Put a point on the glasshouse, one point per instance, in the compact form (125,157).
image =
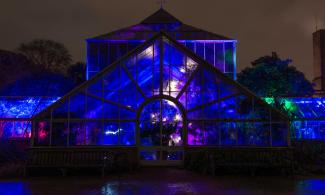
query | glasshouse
(307,116)
(161,98)
(156,90)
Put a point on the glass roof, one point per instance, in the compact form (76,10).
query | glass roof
(160,20)
(24,107)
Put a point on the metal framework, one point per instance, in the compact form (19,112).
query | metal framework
(107,109)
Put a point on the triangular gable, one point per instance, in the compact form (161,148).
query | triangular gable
(125,71)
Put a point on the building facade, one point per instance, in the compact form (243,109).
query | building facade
(160,87)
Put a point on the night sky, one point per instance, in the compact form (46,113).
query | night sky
(260,26)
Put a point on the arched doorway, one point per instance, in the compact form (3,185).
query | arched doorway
(161,135)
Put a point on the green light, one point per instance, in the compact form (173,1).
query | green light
(289,106)
(269,100)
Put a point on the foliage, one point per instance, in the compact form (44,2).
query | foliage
(11,62)
(47,55)
(77,72)
(39,84)
(271,76)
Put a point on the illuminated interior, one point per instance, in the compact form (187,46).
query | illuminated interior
(16,114)
(218,50)
(160,96)
(307,116)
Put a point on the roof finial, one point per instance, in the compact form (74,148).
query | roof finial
(161,2)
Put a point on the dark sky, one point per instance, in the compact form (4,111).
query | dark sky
(260,26)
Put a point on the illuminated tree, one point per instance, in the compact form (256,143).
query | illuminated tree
(271,76)
(46,54)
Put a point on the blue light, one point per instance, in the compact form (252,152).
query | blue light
(308,117)
(16,114)
(8,188)
(23,107)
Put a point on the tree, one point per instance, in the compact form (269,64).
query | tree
(77,72)
(47,55)
(12,67)
(40,83)
(271,76)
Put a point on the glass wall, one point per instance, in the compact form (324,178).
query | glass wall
(16,113)
(160,87)
(220,54)
(307,116)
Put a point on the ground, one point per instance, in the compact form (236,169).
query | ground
(165,181)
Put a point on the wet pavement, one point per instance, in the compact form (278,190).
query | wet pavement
(165,181)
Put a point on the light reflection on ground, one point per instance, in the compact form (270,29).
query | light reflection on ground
(164,181)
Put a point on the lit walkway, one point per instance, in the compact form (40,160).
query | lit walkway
(164,181)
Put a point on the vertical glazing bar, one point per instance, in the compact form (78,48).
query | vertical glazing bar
(119,108)
(153,70)
(270,127)
(234,59)
(219,112)
(32,141)
(169,71)
(161,53)
(108,54)
(98,57)
(288,133)
(204,50)
(68,130)
(103,111)
(224,57)
(214,54)
(161,127)
(238,124)
(87,60)
(185,132)
(137,122)
(85,121)
(50,143)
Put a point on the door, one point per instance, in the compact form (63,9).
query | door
(161,133)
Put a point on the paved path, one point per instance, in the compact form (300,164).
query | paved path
(165,181)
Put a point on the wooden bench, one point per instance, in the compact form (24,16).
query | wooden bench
(104,158)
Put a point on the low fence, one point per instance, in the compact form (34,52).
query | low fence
(112,158)
(209,160)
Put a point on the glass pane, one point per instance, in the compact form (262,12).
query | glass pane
(279,134)
(146,62)
(172,122)
(196,133)
(42,133)
(78,106)
(228,133)
(150,127)
(149,155)
(127,135)
(111,111)
(111,133)
(60,111)
(212,129)
(220,56)
(172,155)
(59,133)
(253,134)
(209,52)
(94,107)
(229,54)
